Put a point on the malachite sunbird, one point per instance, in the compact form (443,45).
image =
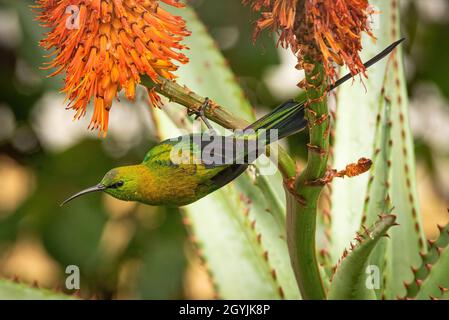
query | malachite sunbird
(159,180)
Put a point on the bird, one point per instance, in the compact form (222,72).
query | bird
(180,171)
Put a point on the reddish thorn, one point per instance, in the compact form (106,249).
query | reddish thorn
(265,255)
(281,293)
(253,224)
(77,293)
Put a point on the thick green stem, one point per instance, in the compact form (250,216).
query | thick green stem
(193,102)
(304,193)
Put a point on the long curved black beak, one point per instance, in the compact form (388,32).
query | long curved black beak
(98,187)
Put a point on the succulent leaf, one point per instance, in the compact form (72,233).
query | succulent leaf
(11,290)
(377,199)
(432,275)
(350,278)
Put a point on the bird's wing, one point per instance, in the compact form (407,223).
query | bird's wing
(209,150)
(182,158)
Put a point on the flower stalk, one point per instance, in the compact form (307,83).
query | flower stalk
(303,193)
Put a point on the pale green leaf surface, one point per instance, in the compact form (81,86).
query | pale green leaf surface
(377,192)
(10,290)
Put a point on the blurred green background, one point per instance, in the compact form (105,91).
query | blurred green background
(132,251)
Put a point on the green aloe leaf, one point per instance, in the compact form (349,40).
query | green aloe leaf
(350,278)
(377,200)
(437,279)
(10,290)
(431,279)
(359,133)
(238,230)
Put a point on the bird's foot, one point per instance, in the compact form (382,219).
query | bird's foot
(201,113)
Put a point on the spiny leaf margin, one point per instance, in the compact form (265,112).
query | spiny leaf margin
(349,280)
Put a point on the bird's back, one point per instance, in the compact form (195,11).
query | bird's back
(179,174)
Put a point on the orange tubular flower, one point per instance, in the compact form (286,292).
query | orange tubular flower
(325,30)
(104,46)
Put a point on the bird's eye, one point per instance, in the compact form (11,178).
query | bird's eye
(116,185)
(119,184)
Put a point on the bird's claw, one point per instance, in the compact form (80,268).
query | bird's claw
(201,113)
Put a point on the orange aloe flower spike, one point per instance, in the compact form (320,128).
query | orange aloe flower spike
(104,46)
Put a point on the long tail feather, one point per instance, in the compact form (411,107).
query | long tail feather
(289,117)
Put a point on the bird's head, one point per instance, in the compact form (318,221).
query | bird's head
(121,183)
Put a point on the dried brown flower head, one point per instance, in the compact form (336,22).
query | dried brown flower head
(324,30)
